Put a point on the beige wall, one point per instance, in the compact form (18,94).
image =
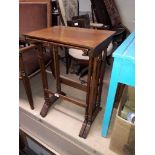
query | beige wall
(85,5)
(127,12)
(126,9)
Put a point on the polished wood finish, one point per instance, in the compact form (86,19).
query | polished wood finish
(32,9)
(101,76)
(43,75)
(85,38)
(88,39)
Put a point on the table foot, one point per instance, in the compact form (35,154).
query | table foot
(46,106)
(85,129)
(87,124)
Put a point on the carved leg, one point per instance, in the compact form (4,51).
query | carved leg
(97,81)
(92,95)
(68,60)
(91,98)
(50,101)
(26,82)
(102,72)
(93,90)
(84,125)
(91,112)
(52,62)
(93,109)
(57,69)
(47,103)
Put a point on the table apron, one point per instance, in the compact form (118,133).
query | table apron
(36,41)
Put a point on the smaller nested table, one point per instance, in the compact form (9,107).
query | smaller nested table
(95,41)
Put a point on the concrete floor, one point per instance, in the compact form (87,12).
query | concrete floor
(67,118)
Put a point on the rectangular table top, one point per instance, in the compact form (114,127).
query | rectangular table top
(79,37)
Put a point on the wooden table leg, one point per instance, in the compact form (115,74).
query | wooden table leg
(52,62)
(68,60)
(57,70)
(102,72)
(47,102)
(99,63)
(91,98)
(84,125)
(53,98)
(93,88)
(97,86)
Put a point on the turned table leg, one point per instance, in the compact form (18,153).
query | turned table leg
(47,102)
(102,73)
(85,123)
(92,88)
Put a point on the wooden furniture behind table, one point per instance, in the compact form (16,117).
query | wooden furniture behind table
(123,72)
(93,40)
(29,67)
(33,15)
(106,12)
